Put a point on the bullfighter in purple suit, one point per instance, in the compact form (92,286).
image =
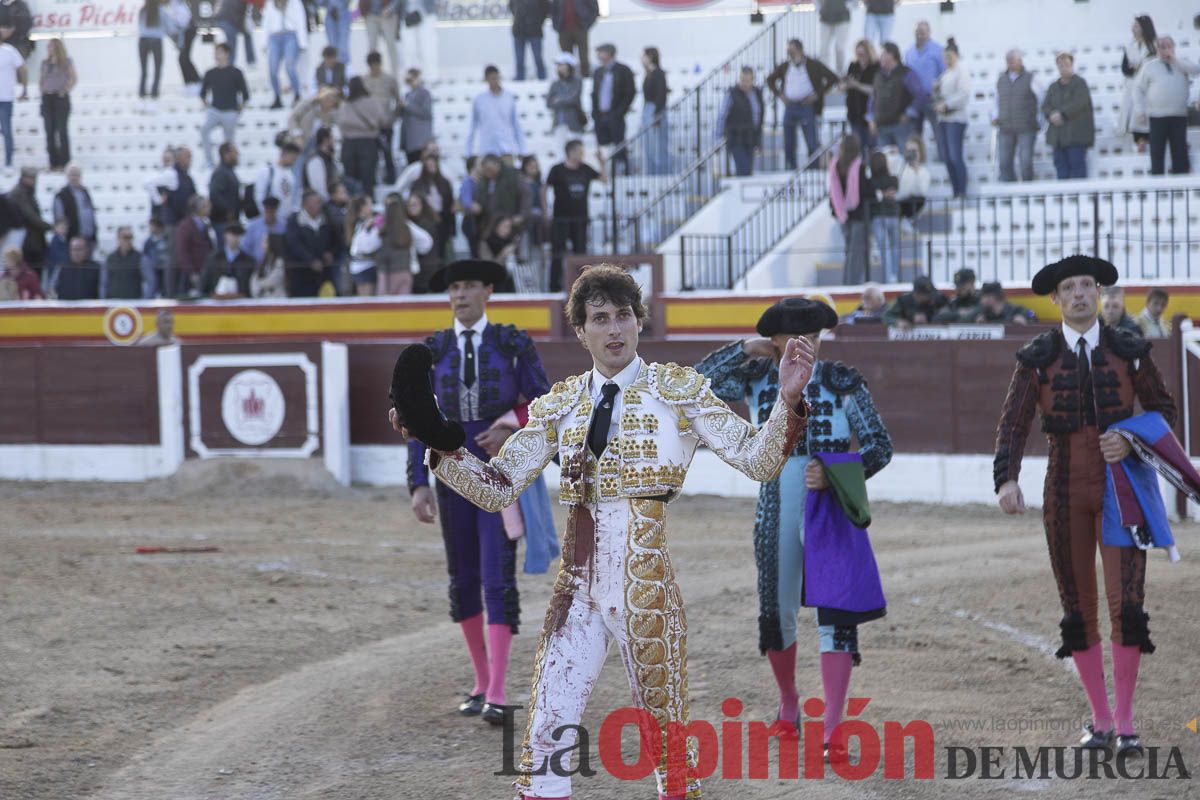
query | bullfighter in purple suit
(481,371)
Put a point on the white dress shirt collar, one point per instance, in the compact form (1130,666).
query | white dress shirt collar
(623,378)
(1091,337)
(478,327)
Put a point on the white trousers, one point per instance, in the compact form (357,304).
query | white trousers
(624,597)
(833,42)
(384,28)
(420,44)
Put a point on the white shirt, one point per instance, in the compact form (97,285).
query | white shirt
(622,379)
(796,83)
(468,399)
(276,181)
(10,62)
(167,179)
(1090,339)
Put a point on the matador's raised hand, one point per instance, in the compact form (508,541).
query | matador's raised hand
(795,368)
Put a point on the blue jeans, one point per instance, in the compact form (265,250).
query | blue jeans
(284,47)
(881,24)
(743,159)
(896,134)
(863,131)
(231,37)
(6,130)
(658,155)
(535,47)
(337,28)
(886,231)
(950,148)
(1070,161)
(806,117)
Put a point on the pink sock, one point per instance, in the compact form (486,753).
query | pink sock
(835,677)
(783,664)
(499,641)
(1090,664)
(472,629)
(1126,660)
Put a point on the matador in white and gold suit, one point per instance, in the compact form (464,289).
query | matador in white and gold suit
(617,584)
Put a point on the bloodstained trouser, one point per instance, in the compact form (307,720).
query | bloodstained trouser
(479,555)
(1072,513)
(622,593)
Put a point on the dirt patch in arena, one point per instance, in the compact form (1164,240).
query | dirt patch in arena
(311,655)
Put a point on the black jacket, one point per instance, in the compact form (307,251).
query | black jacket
(654,89)
(529,17)
(304,245)
(225,194)
(176,207)
(623,91)
(217,265)
(740,127)
(71,210)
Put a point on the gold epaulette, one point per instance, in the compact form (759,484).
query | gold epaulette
(674,384)
(561,398)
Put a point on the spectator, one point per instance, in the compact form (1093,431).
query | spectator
(12,69)
(1143,46)
(363,231)
(565,101)
(495,128)
(19,282)
(79,278)
(416,117)
(573,19)
(926,59)
(331,72)
(260,230)
(74,203)
(964,305)
(531,178)
(428,261)
(386,91)
(501,193)
(1162,90)
(885,216)
(176,209)
(278,180)
(312,114)
(180,24)
(897,97)
(613,92)
(150,44)
(1072,129)
(880,17)
(951,97)
(917,307)
(270,277)
(193,245)
(310,245)
(336,210)
(848,189)
(58,252)
(15,14)
(570,180)
(153,263)
(321,171)
(337,27)
(360,119)
(23,198)
(435,190)
(654,114)
(469,206)
(285,24)
(499,241)
(164,331)
(231,19)
(57,81)
(1112,310)
(383,22)
(227,270)
(1150,320)
(402,241)
(121,273)
(913,177)
(160,185)
(834,16)
(993,307)
(870,308)
(801,83)
(859,84)
(740,122)
(224,190)
(528,20)
(1015,115)
(227,86)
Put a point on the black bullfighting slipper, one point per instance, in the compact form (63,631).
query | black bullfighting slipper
(1096,740)
(412,397)
(1130,744)
(471,706)
(493,713)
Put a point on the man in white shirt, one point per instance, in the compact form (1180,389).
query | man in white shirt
(801,83)
(279,180)
(12,69)
(495,129)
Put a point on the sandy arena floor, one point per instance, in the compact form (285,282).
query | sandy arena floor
(312,656)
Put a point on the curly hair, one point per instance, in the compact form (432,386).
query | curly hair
(600,283)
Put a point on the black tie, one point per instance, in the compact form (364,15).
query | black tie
(1087,393)
(468,360)
(602,419)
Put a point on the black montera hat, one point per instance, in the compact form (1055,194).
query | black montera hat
(488,272)
(796,315)
(1049,276)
